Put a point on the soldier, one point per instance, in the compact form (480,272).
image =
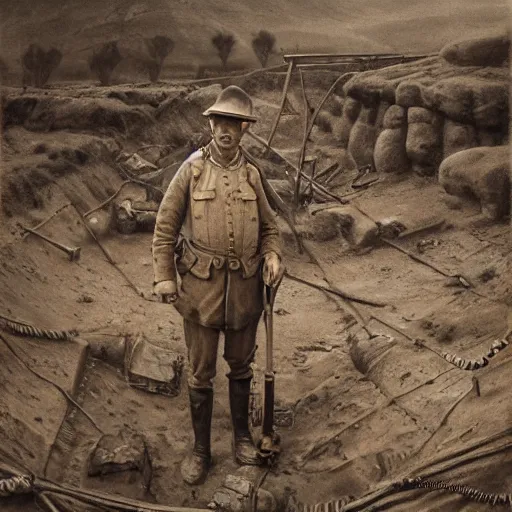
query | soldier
(215,229)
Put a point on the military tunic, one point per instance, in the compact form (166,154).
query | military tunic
(226,227)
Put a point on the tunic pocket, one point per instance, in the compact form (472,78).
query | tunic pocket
(203,195)
(200,204)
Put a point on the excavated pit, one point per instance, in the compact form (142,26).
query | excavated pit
(369,406)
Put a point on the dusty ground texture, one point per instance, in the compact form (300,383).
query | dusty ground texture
(367,409)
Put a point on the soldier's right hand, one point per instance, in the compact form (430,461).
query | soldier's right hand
(167,291)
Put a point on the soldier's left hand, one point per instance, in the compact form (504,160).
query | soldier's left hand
(273,269)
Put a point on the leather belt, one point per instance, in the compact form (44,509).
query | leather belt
(219,257)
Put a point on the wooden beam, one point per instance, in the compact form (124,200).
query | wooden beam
(304,58)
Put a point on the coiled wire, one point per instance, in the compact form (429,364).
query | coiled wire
(464,490)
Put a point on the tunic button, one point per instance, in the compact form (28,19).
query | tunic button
(216,262)
(234,265)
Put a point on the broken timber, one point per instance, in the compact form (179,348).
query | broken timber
(336,291)
(319,188)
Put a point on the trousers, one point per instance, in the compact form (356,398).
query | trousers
(202,347)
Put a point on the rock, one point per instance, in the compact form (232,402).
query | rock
(482,172)
(124,451)
(490,104)
(390,153)
(423,143)
(363,136)
(388,93)
(343,127)
(489,137)
(409,93)
(489,51)
(452,97)
(457,137)
(470,100)
(395,117)
(236,493)
(347,221)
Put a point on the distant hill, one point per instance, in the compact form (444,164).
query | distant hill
(75,26)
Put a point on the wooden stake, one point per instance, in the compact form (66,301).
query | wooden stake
(283,100)
(296,193)
(314,116)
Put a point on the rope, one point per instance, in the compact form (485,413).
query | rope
(23,329)
(16,485)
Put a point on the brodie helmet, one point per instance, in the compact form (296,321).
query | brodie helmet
(232,102)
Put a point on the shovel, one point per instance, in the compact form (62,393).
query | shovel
(270,440)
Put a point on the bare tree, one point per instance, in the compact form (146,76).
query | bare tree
(223,42)
(51,63)
(159,47)
(38,65)
(104,61)
(263,45)
(3,69)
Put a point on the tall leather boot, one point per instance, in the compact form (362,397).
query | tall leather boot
(194,468)
(245,452)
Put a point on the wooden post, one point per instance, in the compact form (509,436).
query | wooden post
(314,116)
(283,100)
(300,165)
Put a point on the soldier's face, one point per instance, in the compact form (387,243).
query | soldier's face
(227,131)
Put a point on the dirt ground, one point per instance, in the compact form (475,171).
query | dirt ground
(368,410)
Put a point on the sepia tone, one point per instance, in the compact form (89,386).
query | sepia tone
(255,256)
